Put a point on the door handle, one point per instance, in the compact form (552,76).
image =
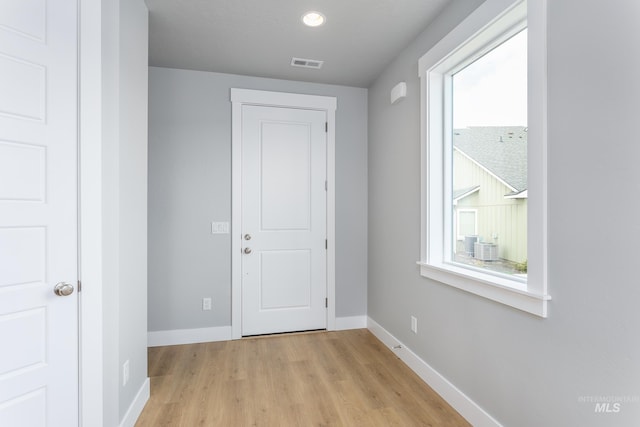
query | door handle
(63,289)
(247,250)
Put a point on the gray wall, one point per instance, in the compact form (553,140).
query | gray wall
(124,189)
(524,370)
(190,186)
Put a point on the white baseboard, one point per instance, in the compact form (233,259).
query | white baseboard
(466,407)
(352,322)
(188,336)
(137,405)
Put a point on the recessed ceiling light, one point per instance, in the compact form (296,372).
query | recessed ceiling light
(313,19)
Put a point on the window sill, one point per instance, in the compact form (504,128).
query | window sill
(504,291)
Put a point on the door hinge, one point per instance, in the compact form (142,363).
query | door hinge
(326,126)
(326,243)
(326,186)
(326,303)
(79,286)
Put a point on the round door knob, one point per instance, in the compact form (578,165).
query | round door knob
(247,250)
(247,237)
(63,289)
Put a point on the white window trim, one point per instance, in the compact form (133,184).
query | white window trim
(469,35)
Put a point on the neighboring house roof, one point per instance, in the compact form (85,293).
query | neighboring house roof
(461,194)
(501,150)
(524,194)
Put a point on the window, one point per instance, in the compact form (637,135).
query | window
(488,153)
(484,148)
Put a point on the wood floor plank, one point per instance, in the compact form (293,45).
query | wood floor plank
(345,378)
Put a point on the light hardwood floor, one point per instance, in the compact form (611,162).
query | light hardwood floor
(345,378)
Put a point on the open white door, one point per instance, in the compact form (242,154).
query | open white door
(38,213)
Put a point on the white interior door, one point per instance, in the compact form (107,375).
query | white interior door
(38,219)
(284,220)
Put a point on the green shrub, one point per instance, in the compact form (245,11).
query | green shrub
(522,266)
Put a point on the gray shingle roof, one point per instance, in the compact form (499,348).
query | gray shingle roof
(502,150)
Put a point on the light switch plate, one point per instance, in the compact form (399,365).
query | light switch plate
(219,228)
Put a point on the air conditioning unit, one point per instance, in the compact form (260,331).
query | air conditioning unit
(469,241)
(485,251)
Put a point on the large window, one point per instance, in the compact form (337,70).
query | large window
(484,147)
(488,153)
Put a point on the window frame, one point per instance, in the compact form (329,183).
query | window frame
(480,32)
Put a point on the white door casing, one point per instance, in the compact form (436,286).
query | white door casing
(242,98)
(283,220)
(38,213)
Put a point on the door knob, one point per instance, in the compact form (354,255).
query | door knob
(247,250)
(63,289)
(247,237)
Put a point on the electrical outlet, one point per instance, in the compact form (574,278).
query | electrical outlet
(414,324)
(125,373)
(206,303)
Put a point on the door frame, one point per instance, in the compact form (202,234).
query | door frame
(91,59)
(239,98)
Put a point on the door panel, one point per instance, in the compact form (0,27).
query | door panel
(285,176)
(23,84)
(284,280)
(25,17)
(38,213)
(24,164)
(284,213)
(30,351)
(24,248)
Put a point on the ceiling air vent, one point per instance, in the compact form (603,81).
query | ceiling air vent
(306,63)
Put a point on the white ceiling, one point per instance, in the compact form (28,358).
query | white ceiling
(259,37)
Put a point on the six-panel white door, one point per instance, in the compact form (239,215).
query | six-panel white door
(38,213)
(284,279)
